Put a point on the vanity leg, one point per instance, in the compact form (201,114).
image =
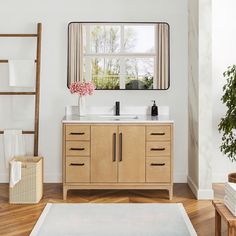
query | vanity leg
(64,193)
(171,193)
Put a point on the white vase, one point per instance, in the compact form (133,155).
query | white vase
(82,106)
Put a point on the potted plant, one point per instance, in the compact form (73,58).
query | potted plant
(227,124)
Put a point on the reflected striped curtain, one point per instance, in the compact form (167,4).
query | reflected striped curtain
(163,56)
(75,53)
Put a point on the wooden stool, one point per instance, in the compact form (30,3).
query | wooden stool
(221,211)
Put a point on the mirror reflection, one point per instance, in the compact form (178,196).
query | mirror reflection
(119,55)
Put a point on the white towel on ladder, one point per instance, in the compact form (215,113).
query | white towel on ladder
(15,172)
(14,145)
(22,73)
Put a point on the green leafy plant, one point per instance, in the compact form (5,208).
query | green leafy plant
(227,124)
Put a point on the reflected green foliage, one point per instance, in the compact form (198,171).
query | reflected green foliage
(106,82)
(228,123)
(148,81)
(106,70)
(145,82)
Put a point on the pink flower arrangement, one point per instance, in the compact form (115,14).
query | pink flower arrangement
(82,88)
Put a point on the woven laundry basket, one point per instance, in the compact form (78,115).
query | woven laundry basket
(30,188)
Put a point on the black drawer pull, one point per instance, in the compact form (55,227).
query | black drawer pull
(157,164)
(114,147)
(76,164)
(158,149)
(75,133)
(77,149)
(158,133)
(120,146)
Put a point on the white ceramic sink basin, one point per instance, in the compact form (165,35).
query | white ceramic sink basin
(121,117)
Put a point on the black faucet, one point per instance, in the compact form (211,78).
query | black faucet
(117,108)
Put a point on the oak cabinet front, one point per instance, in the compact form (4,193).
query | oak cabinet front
(103,154)
(131,163)
(117,156)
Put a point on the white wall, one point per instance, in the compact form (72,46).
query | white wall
(200,100)
(21,16)
(193,90)
(224,54)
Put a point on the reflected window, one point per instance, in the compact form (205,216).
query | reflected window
(120,55)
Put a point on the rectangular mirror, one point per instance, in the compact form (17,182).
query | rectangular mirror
(119,55)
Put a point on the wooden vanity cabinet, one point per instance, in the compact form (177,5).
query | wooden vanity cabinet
(117,156)
(103,154)
(131,155)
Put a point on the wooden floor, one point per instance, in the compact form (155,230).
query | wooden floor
(20,219)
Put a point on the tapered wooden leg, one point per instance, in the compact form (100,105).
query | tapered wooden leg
(231,231)
(217,224)
(171,193)
(64,193)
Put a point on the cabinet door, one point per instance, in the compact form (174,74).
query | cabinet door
(131,167)
(103,153)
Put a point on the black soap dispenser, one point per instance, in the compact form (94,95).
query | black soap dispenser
(154,109)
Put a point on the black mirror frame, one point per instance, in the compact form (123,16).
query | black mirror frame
(122,22)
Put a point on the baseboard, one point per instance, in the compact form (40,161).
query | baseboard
(200,194)
(192,186)
(4,178)
(52,178)
(219,177)
(205,194)
(180,178)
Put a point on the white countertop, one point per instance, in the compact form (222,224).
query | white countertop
(111,119)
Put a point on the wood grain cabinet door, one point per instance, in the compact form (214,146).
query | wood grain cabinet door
(104,154)
(131,154)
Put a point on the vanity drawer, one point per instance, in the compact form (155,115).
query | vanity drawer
(77,169)
(158,169)
(154,149)
(158,133)
(77,148)
(77,132)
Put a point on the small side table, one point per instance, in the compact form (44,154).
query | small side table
(221,211)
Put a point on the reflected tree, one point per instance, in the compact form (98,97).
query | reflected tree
(106,70)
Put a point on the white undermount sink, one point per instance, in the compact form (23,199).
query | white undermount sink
(121,117)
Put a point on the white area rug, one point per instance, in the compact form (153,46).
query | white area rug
(157,219)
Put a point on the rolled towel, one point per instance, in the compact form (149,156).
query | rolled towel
(15,172)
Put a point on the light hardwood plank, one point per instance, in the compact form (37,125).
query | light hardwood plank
(20,219)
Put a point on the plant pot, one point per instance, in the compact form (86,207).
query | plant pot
(232,177)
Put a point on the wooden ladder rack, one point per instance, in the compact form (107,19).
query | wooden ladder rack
(37,84)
